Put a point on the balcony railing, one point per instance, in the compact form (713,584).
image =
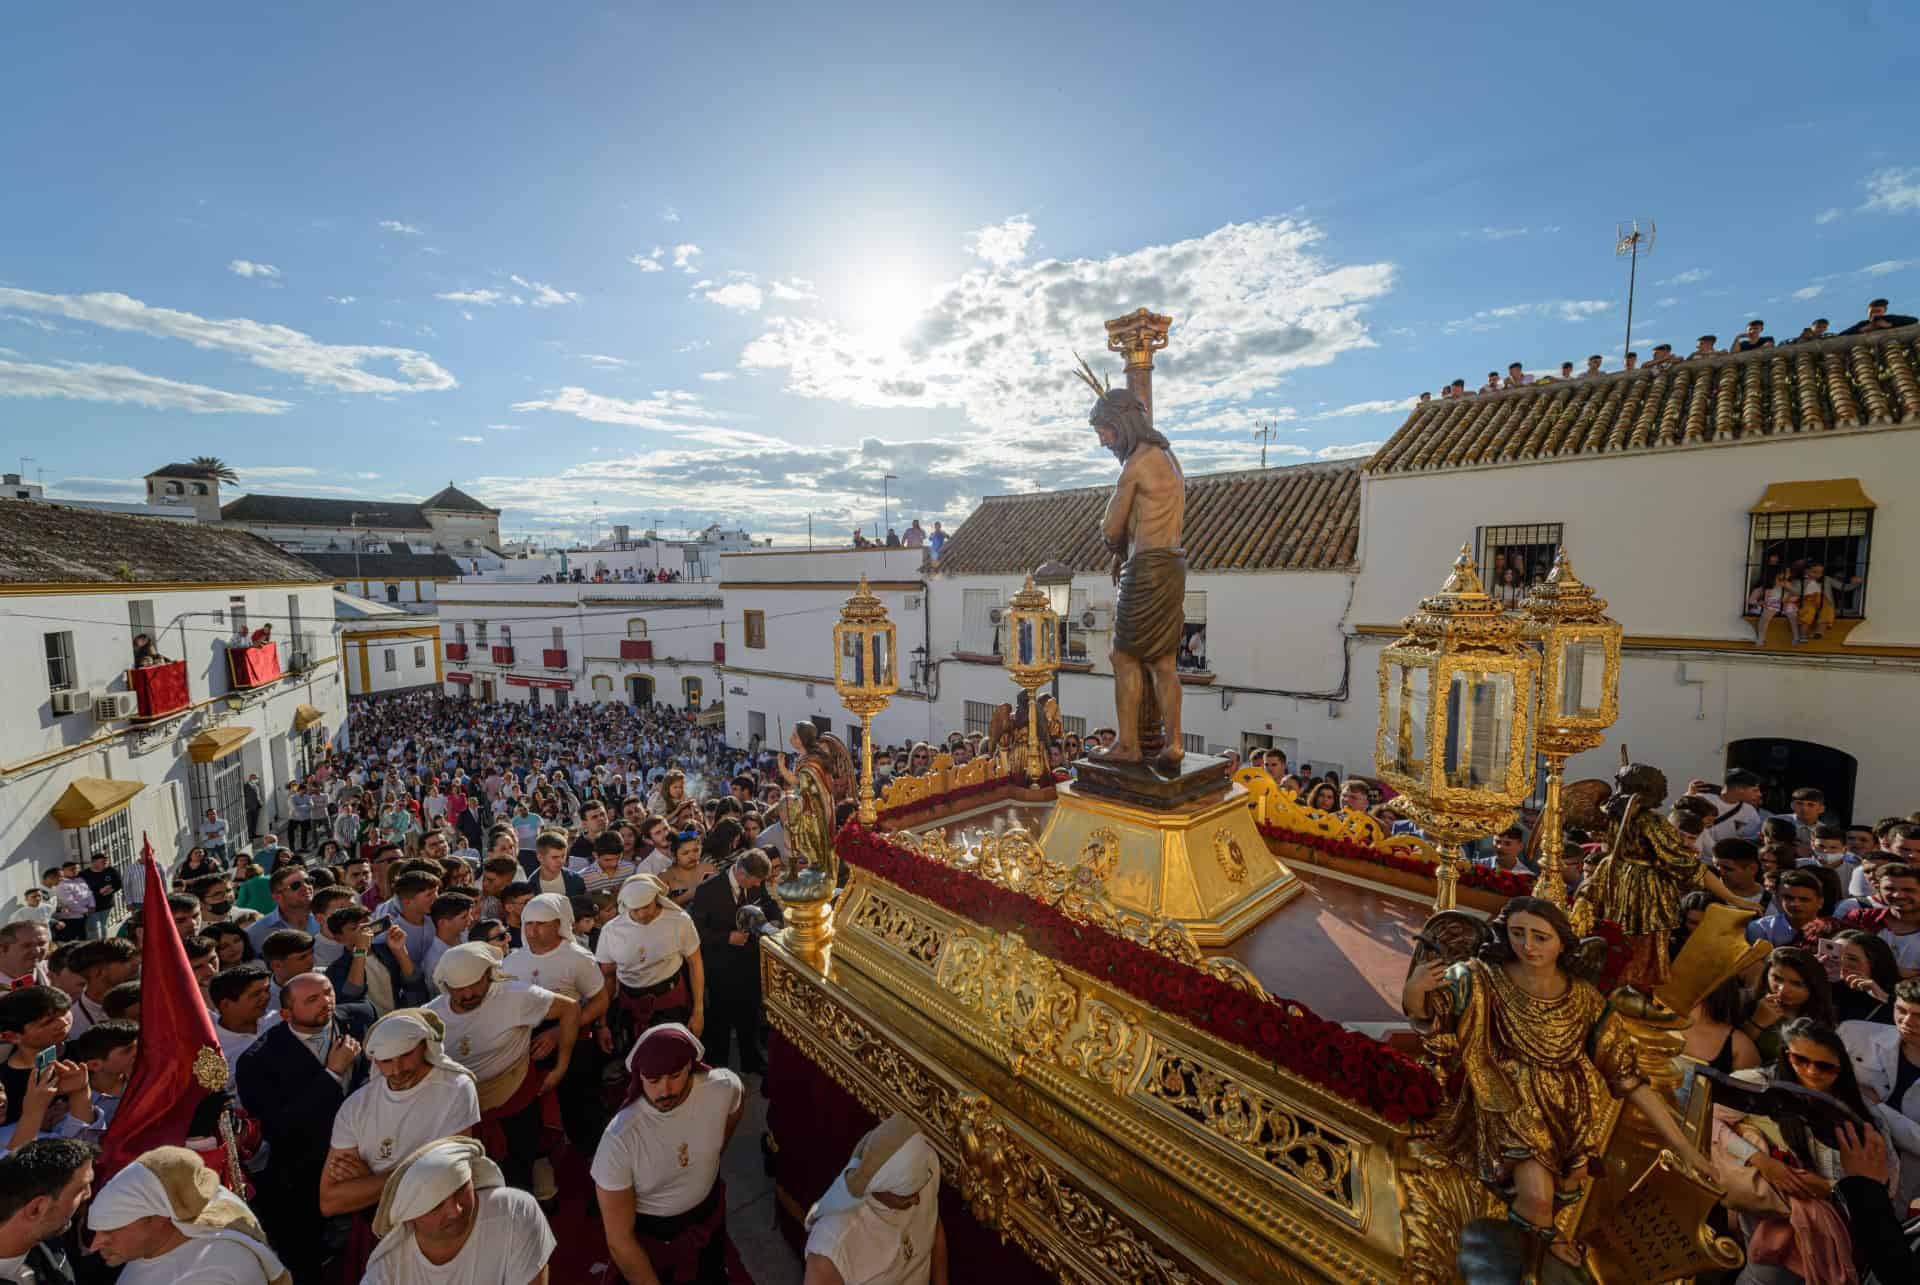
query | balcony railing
(636,649)
(250,667)
(456,651)
(554,657)
(503,655)
(719,653)
(162,689)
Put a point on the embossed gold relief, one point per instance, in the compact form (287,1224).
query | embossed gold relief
(1104,1050)
(905,792)
(1438,1199)
(1233,861)
(1298,1148)
(1025,998)
(1098,856)
(918,938)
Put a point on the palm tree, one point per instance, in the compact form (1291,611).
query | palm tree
(218,469)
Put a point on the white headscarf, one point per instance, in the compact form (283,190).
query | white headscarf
(422,1181)
(550,906)
(868,1242)
(641,891)
(466,964)
(172,1183)
(408,1028)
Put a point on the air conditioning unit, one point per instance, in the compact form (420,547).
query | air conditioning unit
(116,705)
(1096,618)
(73,700)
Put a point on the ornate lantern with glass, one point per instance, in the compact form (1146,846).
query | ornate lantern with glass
(1032,658)
(1579,692)
(1456,715)
(865,673)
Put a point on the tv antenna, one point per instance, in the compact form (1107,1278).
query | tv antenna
(1632,239)
(1263,432)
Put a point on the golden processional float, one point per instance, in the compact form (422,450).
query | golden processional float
(1151,1016)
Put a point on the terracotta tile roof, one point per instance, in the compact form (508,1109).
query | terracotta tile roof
(1306,517)
(1852,382)
(305,510)
(53,544)
(386,566)
(453,499)
(184,470)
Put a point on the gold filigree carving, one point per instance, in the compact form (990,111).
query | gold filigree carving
(1100,854)
(1026,1000)
(1104,1050)
(918,938)
(1437,1200)
(1226,850)
(1298,1149)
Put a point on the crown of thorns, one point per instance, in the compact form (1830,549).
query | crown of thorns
(1086,376)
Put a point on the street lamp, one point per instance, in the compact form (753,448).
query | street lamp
(1055,579)
(1579,692)
(886,503)
(1456,719)
(1032,658)
(865,665)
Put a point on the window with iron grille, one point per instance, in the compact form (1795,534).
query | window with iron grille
(1193,742)
(756,627)
(114,836)
(1833,540)
(1074,725)
(1076,652)
(979,632)
(391,662)
(1515,558)
(419,657)
(979,716)
(480,633)
(61,673)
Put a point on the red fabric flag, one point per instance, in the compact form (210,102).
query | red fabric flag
(179,1061)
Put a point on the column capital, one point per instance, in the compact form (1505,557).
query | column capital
(1137,336)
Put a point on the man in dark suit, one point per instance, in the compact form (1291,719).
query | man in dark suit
(42,1184)
(255,802)
(732,957)
(293,1080)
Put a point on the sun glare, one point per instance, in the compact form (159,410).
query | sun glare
(885,306)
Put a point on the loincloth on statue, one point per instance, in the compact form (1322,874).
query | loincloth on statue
(1150,605)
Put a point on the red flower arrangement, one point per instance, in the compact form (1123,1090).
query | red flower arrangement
(1504,883)
(1288,1034)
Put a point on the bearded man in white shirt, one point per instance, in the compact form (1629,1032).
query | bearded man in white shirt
(879,1224)
(168,1219)
(656,1173)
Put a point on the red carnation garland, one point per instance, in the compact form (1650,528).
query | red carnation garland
(1288,1034)
(1504,883)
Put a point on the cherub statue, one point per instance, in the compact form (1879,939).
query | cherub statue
(820,779)
(1648,868)
(1529,1038)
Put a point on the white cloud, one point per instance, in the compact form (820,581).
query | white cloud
(1554,310)
(544,295)
(1666,301)
(601,360)
(482,298)
(1501,234)
(338,366)
(1387,406)
(741,296)
(793,289)
(504,428)
(1893,191)
(471,441)
(716,376)
(1692,276)
(648,262)
(246,268)
(1809,292)
(670,215)
(342,298)
(1003,244)
(93,382)
(1827,216)
(684,258)
(1887,267)
(672,411)
(404,229)
(1348,451)
(1251,302)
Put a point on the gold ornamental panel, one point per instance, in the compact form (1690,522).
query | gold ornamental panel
(915,936)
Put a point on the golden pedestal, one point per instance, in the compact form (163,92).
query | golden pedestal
(1206,866)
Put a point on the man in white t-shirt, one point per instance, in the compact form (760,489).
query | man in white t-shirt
(490,1021)
(553,960)
(656,1173)
(415,1096)
(168,1219)
(879,1224)
(447,1217)
(651,950)
(241,995)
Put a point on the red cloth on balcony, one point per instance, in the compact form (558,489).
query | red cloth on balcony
(161,688)
(254,666)
(636,649)
(456,651)
(554,658)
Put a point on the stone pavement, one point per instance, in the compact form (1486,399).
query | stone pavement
(750,1200)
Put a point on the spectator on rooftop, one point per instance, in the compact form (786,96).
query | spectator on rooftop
(1662,356)
(1878,318)
(915,536)
(1752,338)
(1818,330)
(1426,397)
(1566,370)
(1633,360)
(1493,384)
(1704,347)
(1459,387)
(1593,367)
(1517,376)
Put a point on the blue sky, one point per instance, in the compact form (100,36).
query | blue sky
(634,262)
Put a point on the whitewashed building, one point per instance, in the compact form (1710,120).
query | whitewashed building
(95,753)
(384,648)
(558,643)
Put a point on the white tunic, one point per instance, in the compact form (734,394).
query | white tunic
(509,1245)
(568,969)
(647,954)
(867,1249)
(202,1261)
(386,1127)
(669,1159)
(493,1039)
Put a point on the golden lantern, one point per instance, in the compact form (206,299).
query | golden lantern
(865,673)
(1456,719)
(1032,657)
(1579,692)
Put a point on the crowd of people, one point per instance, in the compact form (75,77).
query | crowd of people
(491,1013)
(1753,336)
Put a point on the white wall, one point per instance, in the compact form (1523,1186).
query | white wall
(41,753)
(414,656)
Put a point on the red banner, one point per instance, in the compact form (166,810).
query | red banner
(459,678)
(557,684)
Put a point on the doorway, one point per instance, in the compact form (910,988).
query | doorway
(486,689)
(1785,765)
(690,691)
(756,728)
(640,689)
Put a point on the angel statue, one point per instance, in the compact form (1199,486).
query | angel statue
(1509,1011)
(1648,868)
(819,780)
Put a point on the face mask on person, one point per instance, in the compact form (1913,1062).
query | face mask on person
(218,908)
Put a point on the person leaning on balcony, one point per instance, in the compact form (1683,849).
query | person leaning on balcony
(262,636)
(145,653)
